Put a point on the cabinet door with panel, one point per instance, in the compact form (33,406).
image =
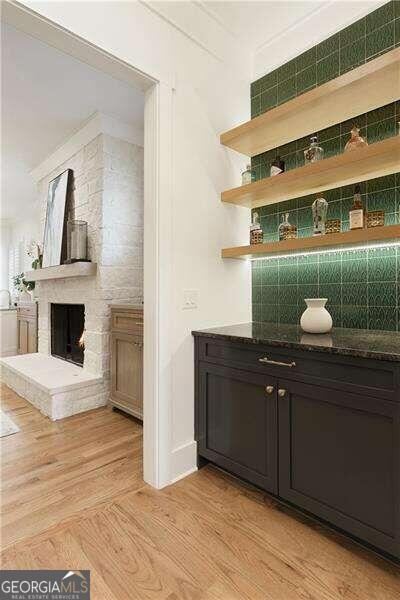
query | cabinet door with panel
(237,423)
(23,326)
(126,372)
(339,459)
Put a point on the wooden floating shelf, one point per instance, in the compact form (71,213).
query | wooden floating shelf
(347,238)
(382,158)
(365,88)
(78,269)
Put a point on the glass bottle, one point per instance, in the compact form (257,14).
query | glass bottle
(319,211)
(76,241)
(314,152)
(355,141)
(247,175)
(356,214)
(256,233)
(277,166)
(287,231)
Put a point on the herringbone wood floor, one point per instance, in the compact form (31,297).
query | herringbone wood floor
(73,498)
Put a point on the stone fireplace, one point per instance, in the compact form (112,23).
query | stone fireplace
(107,192)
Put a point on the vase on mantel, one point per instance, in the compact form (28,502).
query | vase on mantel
(316,319)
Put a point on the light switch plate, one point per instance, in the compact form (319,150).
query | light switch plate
(190,299)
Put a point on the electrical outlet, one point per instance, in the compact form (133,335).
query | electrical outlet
(190,299)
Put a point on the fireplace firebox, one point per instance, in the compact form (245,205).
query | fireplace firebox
(67,332)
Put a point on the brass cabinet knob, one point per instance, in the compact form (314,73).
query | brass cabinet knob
(269,389)
(281,393)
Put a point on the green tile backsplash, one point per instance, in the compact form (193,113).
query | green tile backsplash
(362,286)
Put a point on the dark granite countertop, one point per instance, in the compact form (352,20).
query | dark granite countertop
(381,345)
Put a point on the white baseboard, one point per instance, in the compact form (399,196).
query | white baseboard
(183,461)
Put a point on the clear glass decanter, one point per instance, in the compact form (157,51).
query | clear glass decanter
(314,152)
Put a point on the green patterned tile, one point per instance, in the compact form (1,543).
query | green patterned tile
(382,113)
(257,312)
(288,295)
(289,314)
(255,106)
(382,15)
(269,313)
(352,33)
(328,68)
(256,294)
(382,318)
(268,81)
(332,291)
(306,59)
(255,88)
(286,90)
(286,71)
(352,56)
(330,272)
(380,40)
(383,200)
(382,269)
(355,317)
(381,183)
(381,130)
(308,273)
(329,133)
(382,295)
(306,79)
(355,294)
(354,271)
(328,46)
(304,218)
(307,291)
(397,32)
(335,311)
(396,8)
(269,99)
(270,294)
(287,275)
(270,275)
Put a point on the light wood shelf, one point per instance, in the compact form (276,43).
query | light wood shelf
(78,269)
(382,158)
(348,238)
(365,88)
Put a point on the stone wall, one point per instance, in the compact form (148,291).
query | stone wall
(108,194)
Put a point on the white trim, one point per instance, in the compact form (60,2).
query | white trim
(183,459)
(157,231)
(96,124)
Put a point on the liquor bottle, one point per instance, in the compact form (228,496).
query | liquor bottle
(277,166)
(247,175)
(319,211)
(356,214)
(287,231)
(356,140)
(256,233)
(314,152)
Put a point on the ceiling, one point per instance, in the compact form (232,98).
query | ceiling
(47,96)
(257,23)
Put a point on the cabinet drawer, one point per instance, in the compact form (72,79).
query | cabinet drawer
(30,310)
(127,321)
(356,374)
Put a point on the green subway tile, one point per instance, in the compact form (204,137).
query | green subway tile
(286,90)
(380,40)
(306,79)
(352,33)
(379,17)
(352,56)
(328,46)
(328,68)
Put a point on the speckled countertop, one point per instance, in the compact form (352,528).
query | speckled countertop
(381,345)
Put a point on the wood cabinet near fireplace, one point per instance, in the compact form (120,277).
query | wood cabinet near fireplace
(127,359)
(27,329)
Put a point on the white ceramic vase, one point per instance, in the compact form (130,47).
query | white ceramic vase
(316,319)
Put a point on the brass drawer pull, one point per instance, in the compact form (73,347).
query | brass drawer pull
(281,393)
(269,389)
(269,361)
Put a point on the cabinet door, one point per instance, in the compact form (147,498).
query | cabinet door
(22,336)
(126,372)
(237,423)
(339,459)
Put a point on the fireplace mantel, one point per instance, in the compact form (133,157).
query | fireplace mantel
(78,269)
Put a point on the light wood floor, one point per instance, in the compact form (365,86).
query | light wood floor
(73,498)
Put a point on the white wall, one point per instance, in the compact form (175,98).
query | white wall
(5,236)
(211,94)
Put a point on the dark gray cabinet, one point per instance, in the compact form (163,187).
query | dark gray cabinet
(319,437)
(238,423)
